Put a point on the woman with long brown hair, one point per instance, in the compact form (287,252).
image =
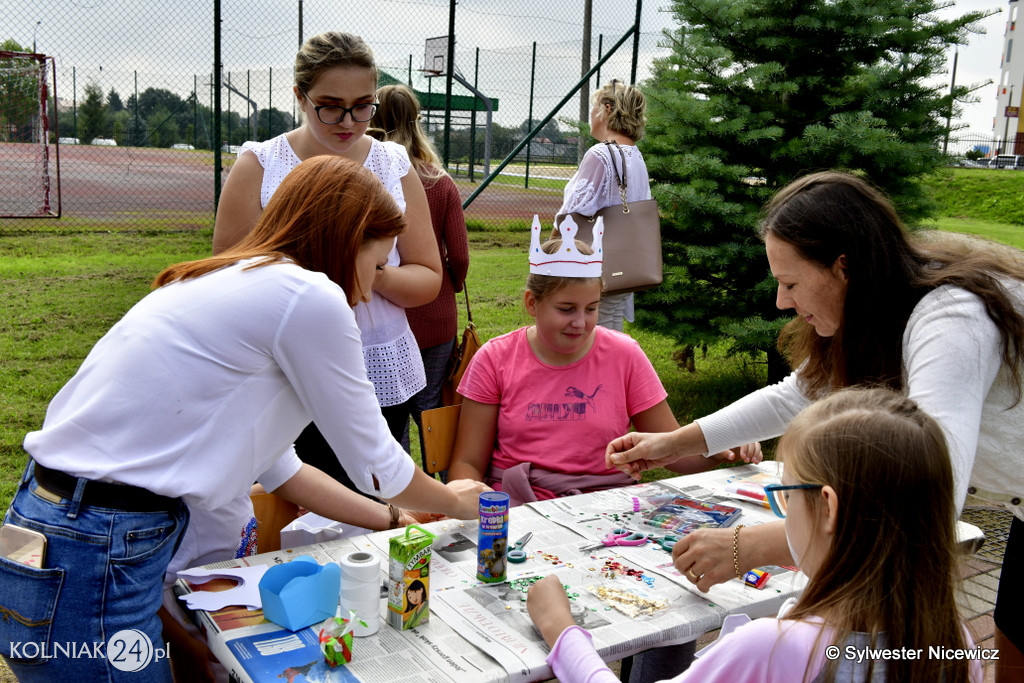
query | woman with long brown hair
(434,324)
(874,304)
(201,387)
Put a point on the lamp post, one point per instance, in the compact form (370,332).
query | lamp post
(34,29)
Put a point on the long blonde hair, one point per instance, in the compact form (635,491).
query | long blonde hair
(891,568)
(398,120)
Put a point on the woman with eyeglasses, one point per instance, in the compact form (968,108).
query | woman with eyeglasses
(938,318)
(870,518)
(335,88)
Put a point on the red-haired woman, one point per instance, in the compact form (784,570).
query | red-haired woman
(201,387)
(335,91)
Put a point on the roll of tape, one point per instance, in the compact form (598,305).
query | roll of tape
(360,590)
(361,566)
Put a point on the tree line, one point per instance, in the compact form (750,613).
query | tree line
(161,118)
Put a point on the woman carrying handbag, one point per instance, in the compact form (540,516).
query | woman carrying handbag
(617,117)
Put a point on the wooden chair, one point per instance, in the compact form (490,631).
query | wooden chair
(273,513)
(437,437)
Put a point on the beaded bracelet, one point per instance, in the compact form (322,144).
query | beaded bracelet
(736,551)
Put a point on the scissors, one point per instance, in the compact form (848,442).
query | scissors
(666,543)
(518,555)
(619,537)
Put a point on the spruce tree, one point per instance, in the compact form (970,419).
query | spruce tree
(759,92)
(92,114)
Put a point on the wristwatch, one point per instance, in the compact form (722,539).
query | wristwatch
(395,512)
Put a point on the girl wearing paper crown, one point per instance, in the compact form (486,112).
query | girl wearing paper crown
(542,402)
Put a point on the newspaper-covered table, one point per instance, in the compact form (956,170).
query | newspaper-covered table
(595,514)
(629,598)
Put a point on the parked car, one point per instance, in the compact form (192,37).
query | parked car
(231,149)
(104,142)
(970,163)
(1011,161)
(67,141)
(181,145)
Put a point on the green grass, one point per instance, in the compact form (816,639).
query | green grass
(62,293)
(977,194)
(64,283)
(1004,233)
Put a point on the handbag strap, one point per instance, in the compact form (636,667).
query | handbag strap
(620,178)
(469,311)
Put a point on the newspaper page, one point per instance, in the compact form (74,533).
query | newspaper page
(625,610)
(593,516)
(257,651)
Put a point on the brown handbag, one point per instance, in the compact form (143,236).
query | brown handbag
(632,238)
(459,361)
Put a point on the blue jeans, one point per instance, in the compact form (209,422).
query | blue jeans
(103,573)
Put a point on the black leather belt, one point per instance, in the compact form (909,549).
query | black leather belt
(104,494)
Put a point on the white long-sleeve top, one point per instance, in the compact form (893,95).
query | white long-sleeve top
(205,383)
(953,369)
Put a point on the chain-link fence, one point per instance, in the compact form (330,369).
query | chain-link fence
(133,99)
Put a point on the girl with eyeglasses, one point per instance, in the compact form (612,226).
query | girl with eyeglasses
(335,88)
(867,495)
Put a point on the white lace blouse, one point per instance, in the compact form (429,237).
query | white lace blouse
(595,185)
(392,357)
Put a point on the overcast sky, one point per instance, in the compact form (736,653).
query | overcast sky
(169,44)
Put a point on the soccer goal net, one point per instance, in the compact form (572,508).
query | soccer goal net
(31,186)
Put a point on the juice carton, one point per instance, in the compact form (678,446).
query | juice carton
(409,578)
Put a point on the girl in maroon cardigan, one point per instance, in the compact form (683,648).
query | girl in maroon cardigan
(435,324)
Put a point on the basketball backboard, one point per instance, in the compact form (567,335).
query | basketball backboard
(435,56)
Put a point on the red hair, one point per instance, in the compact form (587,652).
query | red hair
(321,215)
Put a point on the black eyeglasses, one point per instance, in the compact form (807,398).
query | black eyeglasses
(779,499)
(330,114)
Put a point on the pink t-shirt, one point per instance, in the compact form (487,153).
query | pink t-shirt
(561,418)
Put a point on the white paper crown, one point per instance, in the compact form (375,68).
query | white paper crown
(567,261)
